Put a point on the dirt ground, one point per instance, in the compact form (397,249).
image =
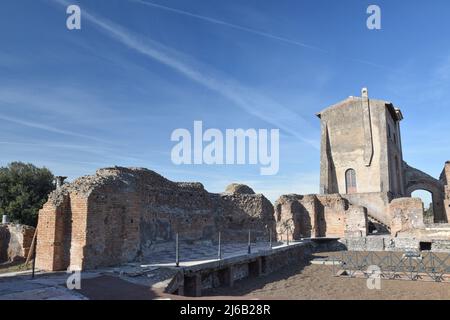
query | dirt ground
(317,282)
(296,282)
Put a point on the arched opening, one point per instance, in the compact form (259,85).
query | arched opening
(436,199)
(427,199)
(350,181)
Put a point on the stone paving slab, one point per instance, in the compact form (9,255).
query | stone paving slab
(203,253)
(43,287)
(44,293)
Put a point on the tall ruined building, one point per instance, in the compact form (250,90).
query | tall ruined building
(361,147)
(361,157)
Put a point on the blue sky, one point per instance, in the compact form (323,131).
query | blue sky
(113,92)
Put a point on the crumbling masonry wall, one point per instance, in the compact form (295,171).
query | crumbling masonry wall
(407,215)
(320,216)
(124,214)
(418,180)
(445,179)
(15,241)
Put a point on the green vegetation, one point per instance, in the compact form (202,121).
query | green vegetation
(23,190)
(428,215)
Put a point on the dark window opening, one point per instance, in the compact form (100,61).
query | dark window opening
(425,246)
(350,181)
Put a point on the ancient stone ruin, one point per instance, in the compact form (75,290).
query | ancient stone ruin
(15,241)
(365,184)
(120,215)
(321,216)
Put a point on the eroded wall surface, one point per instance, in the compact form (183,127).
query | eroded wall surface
(362,135)
(123,214)
(445,179)
(376,203)
(15,241)
(320,216)
(418,180)
(407,215)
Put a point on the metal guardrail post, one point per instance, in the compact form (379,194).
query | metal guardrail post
(249,242)
(177,251)
(34,260)
(270,238)
(219,254)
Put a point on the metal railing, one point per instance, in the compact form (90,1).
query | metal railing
(220,243)
(414,266)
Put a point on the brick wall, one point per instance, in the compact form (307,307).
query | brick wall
(301,212)
(320,216)
(445,178)
(407,215)
(332,212)
(356,223)
(120,215)
(53,225)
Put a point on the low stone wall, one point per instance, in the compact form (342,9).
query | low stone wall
(376,204)
(193,280)
(387,243)
(320,216)
(406,215)
(298,211)
(356,222)
(331,215)
(447,202)
(120,215)
(15,241)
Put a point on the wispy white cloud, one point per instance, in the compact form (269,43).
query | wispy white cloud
(109,155)
(45,127)
(63,101)
(230,25)
(262,34)
(248,100)
(431,86)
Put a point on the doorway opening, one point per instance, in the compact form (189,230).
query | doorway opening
(427,199)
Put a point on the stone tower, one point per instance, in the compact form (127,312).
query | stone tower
(361,150)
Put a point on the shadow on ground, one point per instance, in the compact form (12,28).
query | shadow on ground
(244,287)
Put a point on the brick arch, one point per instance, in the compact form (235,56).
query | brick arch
(419,180)
(437,192)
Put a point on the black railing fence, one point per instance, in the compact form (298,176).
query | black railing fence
(271,238)
(411,265)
